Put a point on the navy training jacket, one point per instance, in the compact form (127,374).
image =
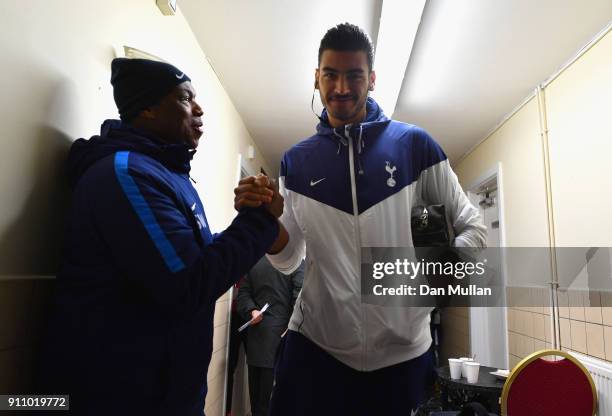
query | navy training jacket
(132,327)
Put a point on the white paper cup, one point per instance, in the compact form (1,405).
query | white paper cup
(463,360)
(471,369)
(455,368)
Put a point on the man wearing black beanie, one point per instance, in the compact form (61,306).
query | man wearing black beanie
(132,328)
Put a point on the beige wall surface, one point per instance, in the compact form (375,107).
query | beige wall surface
(518,147)
(579,106)
(580,137)
(55,88)
(580,142)
(455,337)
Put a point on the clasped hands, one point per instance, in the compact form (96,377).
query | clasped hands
(255,191)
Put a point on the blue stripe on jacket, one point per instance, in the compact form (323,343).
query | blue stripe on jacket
(145,214)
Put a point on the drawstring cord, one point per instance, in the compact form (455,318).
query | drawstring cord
(360,145)
(342,140)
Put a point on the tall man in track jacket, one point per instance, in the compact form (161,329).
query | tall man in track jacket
(353,185)
(133,323)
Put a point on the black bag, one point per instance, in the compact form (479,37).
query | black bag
(430,226)
(432,235)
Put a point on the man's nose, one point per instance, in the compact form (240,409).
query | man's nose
(197,110)
(342,85)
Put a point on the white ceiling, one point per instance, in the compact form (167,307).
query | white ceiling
(473,61)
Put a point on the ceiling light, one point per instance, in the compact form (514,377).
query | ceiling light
(399,22)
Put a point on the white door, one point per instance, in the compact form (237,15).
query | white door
(491,349)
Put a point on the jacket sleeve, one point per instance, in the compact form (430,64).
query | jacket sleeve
(438,184)
(297,280)
(244,301)
(153,244)
(289,259)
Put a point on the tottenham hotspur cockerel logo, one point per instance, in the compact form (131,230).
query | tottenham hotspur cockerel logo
(391,181)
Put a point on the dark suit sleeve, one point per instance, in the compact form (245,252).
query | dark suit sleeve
(244,301)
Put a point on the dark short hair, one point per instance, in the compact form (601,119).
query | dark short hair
(347,37)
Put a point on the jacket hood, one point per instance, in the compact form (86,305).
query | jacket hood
(374,117)
(116,136)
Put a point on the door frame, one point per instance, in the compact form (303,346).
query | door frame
(478,316)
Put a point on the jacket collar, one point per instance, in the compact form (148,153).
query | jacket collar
(116,136)
(375,117)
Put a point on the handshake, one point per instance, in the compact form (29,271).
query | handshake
(254,191)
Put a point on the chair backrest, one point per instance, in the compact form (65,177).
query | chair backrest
(540,387)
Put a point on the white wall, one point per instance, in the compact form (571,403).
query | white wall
(55,87)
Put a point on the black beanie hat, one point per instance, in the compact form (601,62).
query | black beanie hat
(141,83)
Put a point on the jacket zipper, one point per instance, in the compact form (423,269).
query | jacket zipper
(357,237)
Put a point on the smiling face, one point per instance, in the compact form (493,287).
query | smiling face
(177,118)
(343,80)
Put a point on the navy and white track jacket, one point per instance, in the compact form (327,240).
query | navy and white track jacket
(132,327)
(354,187)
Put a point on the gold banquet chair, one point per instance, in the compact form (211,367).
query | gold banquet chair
(543,387)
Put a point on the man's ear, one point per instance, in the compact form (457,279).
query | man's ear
(316,83)
(372,81)
(148,113)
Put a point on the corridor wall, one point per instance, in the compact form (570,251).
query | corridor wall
(577,105)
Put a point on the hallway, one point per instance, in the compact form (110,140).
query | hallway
(522,90)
